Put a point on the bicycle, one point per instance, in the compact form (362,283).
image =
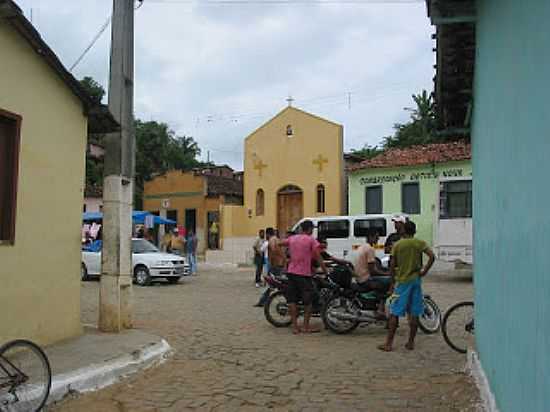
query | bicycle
(458,326)
(25,377)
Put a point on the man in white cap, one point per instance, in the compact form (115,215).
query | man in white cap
(399,224)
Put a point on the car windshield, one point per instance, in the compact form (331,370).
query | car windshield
(143,246)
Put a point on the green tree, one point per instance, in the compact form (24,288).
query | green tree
(421,126)
(367,152)
(94,89)
(159,149)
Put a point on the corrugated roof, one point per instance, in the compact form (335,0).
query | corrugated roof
(418,155)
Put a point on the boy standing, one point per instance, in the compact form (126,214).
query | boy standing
(407,272)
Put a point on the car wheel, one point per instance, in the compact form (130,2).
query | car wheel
(141,276)
(84,273)
(173,281)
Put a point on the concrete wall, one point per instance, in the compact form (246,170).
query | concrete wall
(511,146)
(392,178)
(185,191)
(93,204)
(289,161)
(40,285)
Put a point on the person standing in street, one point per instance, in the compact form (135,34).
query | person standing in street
(399,224)
(304,250)
(191,249)
(277,261)
(407,271)
(214,235)
(258,256)
(177,243)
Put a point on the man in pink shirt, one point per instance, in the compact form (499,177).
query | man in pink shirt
(303,251)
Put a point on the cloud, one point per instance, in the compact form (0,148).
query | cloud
(218,72)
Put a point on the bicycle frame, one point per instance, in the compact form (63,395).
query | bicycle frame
(13,380)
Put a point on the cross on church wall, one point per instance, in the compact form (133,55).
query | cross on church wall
(260,166)
(320,162)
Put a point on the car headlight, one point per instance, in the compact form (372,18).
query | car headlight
(163,263)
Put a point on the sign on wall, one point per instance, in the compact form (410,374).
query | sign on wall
(412,177)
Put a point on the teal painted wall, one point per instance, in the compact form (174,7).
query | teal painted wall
(391,192)
(511,161)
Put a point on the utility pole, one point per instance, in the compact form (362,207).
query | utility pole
(115,295)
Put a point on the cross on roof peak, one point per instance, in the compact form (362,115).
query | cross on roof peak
(290,100)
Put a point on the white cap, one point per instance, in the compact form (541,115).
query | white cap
(399,218)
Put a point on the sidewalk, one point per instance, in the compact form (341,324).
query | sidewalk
(96,359)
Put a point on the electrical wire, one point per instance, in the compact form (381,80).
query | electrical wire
(284,2)
(98,36)
(92,43)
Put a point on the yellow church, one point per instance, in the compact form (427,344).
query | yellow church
(293,168)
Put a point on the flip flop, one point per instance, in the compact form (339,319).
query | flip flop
(313,330)
(383,348)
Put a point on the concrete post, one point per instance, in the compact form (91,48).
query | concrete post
(115,296)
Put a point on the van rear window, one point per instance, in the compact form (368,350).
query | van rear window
(333,229)
(361,226)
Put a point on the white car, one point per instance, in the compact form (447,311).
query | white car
(147,261)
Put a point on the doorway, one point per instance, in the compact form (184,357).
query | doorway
(290,207)
(191,220)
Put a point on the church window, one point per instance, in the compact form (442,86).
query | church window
(289,131)
(320,199)
(260,202)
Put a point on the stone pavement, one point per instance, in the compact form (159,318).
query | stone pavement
(227,357)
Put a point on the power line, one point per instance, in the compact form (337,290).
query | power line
(285,2)
(98,36)
(92,43)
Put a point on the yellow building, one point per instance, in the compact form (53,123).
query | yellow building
(43,130)
(293,168)
(194,199)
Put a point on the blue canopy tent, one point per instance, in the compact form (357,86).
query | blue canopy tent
(138,216)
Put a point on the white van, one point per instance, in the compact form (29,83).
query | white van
(345,234)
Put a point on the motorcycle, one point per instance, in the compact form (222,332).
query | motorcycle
(276,307)
(350,305)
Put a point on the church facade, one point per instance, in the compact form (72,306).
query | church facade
(293,168)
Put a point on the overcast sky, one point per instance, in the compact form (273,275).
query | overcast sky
(218,71)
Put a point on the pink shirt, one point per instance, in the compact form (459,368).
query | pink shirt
(301,249)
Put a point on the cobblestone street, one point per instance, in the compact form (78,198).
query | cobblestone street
(227,357)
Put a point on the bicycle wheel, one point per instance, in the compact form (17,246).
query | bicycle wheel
(25,377)
(430,321)
(458,326)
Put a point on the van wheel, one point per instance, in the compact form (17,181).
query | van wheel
(141,276)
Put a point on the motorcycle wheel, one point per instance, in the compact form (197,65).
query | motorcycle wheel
(276,310)
(341,304)
(430,321)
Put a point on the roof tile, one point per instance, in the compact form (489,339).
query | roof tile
(418,155)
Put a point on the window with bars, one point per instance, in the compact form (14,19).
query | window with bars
(455,199)
(410,198)
(373,200)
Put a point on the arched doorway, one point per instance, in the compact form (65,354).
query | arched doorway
(290,207)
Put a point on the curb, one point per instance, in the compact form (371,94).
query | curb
(98,376)
(475,369)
